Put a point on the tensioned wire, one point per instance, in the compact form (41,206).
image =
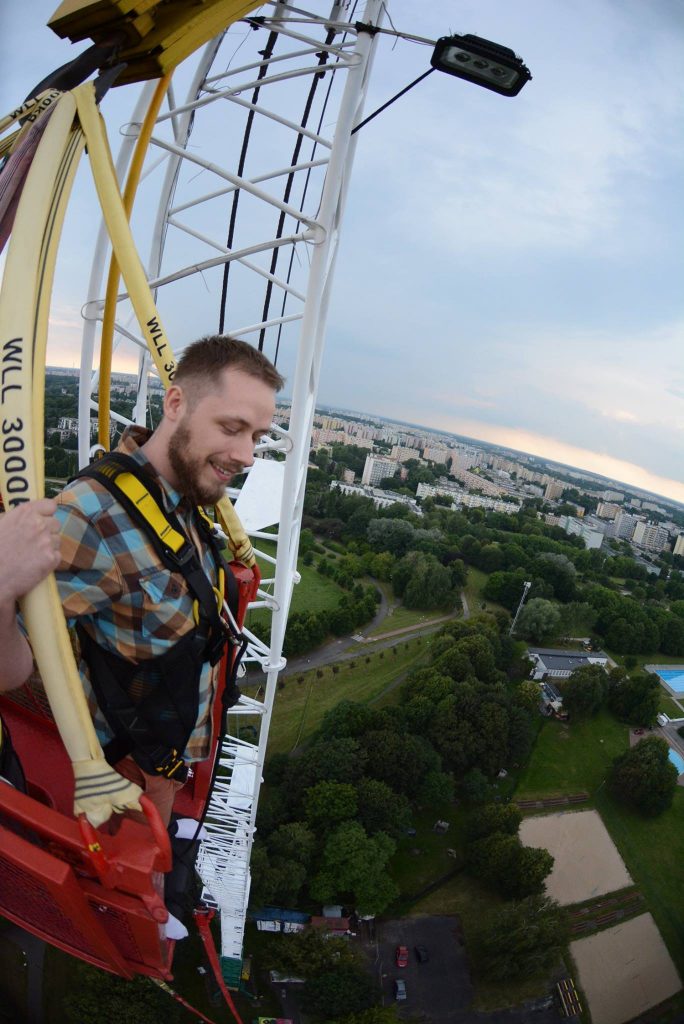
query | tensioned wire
(137,287)
(113,277)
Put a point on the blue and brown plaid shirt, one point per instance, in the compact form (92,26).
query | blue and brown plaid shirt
(111,580)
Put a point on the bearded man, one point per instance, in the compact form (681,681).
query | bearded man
(148,666)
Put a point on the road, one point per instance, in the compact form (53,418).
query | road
(347,648)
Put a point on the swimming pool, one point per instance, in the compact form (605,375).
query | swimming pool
(677,760)
(672,678)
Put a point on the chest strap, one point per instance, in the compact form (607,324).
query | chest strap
(141,497)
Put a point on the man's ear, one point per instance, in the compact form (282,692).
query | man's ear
(174,403)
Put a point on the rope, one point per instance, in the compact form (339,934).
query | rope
(109,312)
(165,987)
(203,919)
(24,307)
(138,289)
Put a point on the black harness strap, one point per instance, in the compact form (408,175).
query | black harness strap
(152,705)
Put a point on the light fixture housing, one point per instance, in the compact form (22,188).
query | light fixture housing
(482,62)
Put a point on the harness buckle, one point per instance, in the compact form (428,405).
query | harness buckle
(172,767)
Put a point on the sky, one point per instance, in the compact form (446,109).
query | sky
(510,268)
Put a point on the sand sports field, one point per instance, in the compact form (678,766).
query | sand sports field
(586,862)
(625,970)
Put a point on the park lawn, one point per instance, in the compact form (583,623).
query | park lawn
(571,757)
(653,852)
(422,859)
(668,706)
(475,584)
(314,593)
(402,618)
(299,706)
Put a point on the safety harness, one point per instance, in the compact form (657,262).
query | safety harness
(152,705)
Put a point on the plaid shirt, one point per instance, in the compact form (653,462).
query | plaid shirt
(111,580)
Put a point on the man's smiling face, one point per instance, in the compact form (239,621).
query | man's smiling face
(215,436)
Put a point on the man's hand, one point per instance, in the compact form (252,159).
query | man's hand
(29,547)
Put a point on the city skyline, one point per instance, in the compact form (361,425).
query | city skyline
(509,269)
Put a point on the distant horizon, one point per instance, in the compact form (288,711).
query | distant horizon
(616,482)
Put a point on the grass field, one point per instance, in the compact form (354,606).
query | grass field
(668,706)
(314,593)
(299,707)
(473,591)
(653,851)
(571,757)
(402,618)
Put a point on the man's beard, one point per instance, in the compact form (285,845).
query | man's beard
(188,471)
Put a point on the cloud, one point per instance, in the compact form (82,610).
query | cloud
(619,470)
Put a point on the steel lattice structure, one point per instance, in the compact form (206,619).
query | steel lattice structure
(265,235)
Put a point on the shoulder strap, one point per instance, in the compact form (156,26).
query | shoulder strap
(141,497)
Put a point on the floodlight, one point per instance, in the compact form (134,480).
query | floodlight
(482,62)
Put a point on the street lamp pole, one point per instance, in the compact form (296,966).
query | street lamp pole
(526,587)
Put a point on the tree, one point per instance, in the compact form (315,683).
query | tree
(531,868)
(293,841)
(336,760)
(393,535)
(96,997)
(348,718)
(491,818)
(374,1015)
(522,939)
(635,699)
(503,863)
(644,777)
(475,787)
(354,865)
(673,636)
(538,620)
(341,991)
(307,954)
(328,803)
(528,694)
(381,809)
(585,691)
(560,572)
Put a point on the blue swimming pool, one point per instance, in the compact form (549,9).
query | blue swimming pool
(673,679)
(677,760)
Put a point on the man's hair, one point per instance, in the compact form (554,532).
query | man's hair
(202,362)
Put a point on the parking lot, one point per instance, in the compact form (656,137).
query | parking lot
(438,987)
(440,990)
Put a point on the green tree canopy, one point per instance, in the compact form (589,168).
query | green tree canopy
(539,620)
(644,777)
(328,803)
(347,988)
(492,818)
(522,939)
(354,865)
(635,699)
(584,693)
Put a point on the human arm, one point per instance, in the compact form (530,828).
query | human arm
(29,551)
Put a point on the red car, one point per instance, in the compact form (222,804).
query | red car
(402,956)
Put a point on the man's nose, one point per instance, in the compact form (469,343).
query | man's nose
(245,453)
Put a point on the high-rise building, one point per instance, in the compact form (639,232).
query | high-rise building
(376,469)
(650,536)
(679,545)
(554,489)
(607,510)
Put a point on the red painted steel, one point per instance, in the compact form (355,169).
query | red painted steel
(94,893)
